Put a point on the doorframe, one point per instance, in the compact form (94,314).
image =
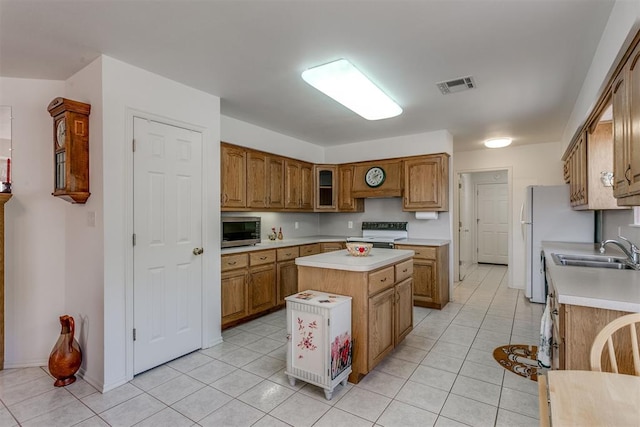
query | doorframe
(456,218)
(132,113)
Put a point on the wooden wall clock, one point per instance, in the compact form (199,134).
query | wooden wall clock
(70,149)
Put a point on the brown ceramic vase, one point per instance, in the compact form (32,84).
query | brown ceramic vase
(66,356)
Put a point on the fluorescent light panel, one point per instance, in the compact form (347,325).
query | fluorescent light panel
(497,142)
(344,83)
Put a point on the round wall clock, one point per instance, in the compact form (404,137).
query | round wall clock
(374,177)
(61,132)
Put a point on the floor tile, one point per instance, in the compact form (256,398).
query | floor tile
(458,334)
(477,390)
(317,393)
(166,417)
(481,357)
(381,383)
(264,345)
(189,362)
(80,388)
(154,377)
(433,377)
(41,404)
(237,382)
(241,357)
(265,366)
(234,413)
(400,414)
(282,379)
(510,419)
(95,421)
(491,374)
(519,402)
(6,419)
(269,421)
(211,372)
(450,349)
(279,353)
(363,403)
(69,414)
(419,342)
(20,391)
(444,362)
(132,411)
(176,389)
(469,411)
(266,395)
(338,418)
(396,367)
(263,329)
(102,401)
(300,410)
(243,338)
(198,405)
(14,377)
(422,396)
(448,422)
(218,351)
(408,353)
(516,382)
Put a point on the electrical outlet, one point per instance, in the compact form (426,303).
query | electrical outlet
(350,224)
(296,225)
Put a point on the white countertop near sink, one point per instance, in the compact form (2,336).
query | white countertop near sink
(592,287)
(341,260)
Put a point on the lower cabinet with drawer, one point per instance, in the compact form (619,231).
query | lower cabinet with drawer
(247,285)
(382,307)
(430,275)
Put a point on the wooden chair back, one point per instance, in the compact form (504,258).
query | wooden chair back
(605,336)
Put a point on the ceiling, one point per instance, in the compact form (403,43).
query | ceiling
(528,58)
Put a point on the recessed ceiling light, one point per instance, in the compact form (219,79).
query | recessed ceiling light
(497,142)
(344,83)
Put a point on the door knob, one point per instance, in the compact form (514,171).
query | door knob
(198,251)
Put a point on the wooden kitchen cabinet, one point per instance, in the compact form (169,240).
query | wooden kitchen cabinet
(326,197)
(298,185)
(275,193)
(381,325)
(390,187)
(430,275)
(426,183)
(404,309)
(576,161)
(574,329)
(625,95)
(257,180)
(287,273)
(346,201)
(331,246)
(262,292)
(233,174)
(234,290)
(310,249)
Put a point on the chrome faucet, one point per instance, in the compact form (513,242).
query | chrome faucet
(632,253)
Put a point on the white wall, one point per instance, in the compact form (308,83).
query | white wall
(35,227)
(85,243)
(246,134)
(621,27)
(537,164)
(128,90)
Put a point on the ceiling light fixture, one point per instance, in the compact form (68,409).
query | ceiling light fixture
(497,142)
(344,83)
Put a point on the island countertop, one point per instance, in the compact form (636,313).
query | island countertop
(341,260)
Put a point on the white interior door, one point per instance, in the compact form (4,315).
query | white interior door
(167,176)
(493,223)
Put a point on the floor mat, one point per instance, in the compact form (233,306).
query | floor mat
(521,359)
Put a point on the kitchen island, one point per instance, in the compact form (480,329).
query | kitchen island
(381,288)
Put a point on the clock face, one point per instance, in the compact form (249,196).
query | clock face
(61,132)
(374,177)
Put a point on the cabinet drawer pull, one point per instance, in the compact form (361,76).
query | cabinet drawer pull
(383,280)
(262,258)
(232,263)
(555,312)
(288,254)
(405,270)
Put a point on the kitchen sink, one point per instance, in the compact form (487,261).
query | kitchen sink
(591,261)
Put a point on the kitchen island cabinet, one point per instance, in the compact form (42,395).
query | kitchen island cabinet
(381,288)
(430,275)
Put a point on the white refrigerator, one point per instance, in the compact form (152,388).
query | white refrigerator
(546,214)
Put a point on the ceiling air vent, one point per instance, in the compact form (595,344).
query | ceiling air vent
(456,85)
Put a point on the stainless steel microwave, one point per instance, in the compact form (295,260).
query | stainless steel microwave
(240,231)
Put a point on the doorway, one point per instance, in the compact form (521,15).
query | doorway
(483,219)
(167,226)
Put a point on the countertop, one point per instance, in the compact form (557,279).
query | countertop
(274,244)
(592,287)
(341,260)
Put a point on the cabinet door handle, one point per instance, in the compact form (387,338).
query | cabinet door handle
(626,174)
(555,312)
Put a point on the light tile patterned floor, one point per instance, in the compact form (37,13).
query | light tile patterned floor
(443,375)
